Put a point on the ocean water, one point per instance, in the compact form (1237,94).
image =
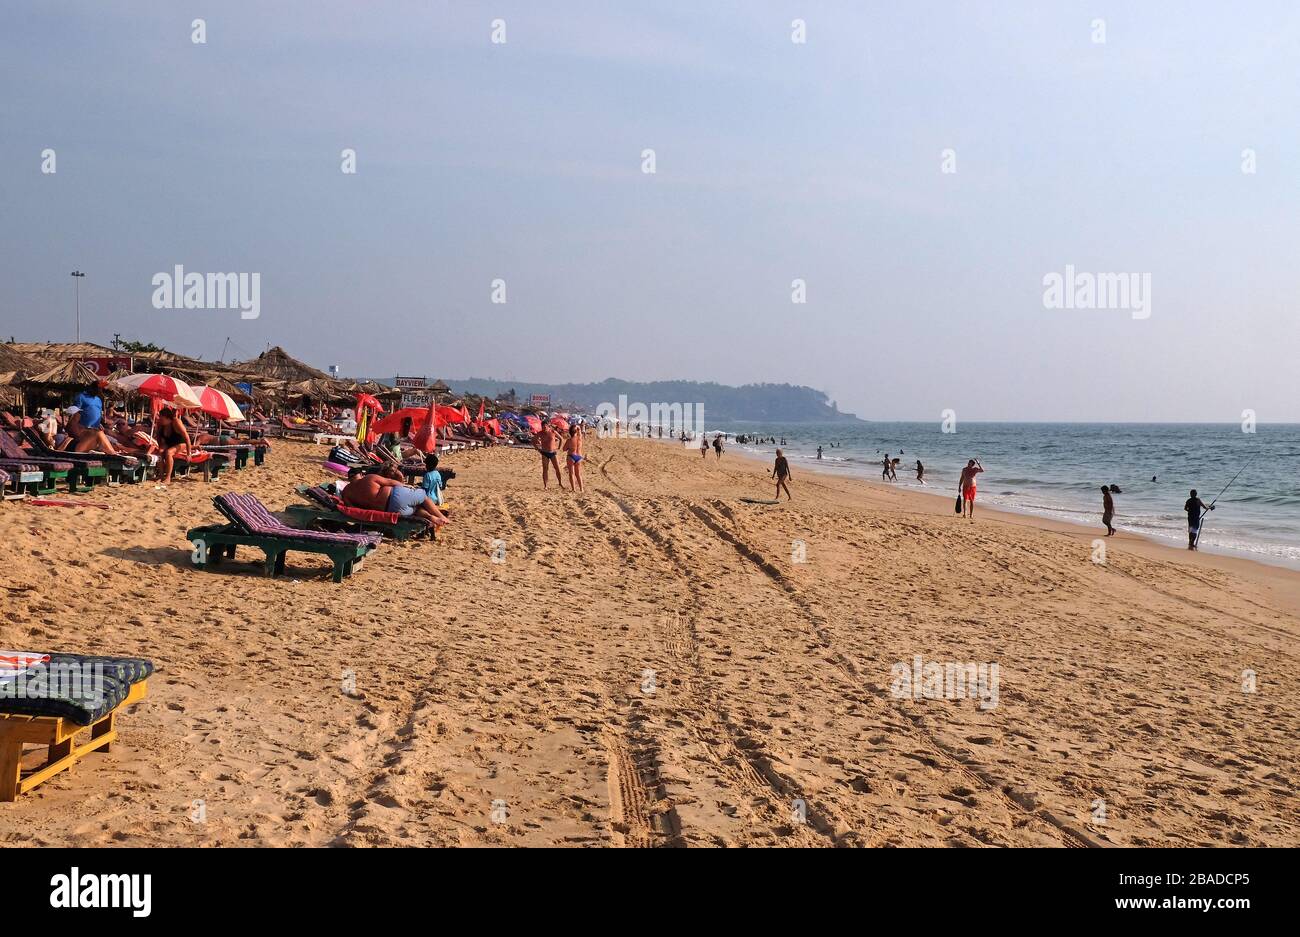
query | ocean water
(1056,470)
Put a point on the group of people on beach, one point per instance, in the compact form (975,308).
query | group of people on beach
(550,441)
(89,424)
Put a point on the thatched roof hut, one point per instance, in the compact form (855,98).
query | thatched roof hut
(278,364)
(63,350)
(18,363)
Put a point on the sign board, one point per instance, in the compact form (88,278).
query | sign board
(413,399)
(103,367)
(541,401)
(411,383)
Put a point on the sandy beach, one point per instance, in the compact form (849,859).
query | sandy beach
(647,666)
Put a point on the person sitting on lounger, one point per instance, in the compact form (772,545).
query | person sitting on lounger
(48,428)
(86,425)
(377,492)
(173,439)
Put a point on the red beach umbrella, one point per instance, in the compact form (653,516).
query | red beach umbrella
(218,404)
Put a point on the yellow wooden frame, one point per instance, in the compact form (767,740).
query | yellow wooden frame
(59,735)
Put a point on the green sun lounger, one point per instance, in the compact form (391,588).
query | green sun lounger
(252,525)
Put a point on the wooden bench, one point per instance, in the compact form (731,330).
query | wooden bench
(59,736)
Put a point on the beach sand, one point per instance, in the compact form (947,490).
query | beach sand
(647,666)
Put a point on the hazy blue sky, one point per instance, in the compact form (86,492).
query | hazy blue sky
(775,160)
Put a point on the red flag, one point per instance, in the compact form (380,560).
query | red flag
(426,438)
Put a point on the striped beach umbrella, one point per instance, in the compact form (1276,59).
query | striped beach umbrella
(161,387)
(219,404)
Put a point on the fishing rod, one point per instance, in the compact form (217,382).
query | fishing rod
(1210,506)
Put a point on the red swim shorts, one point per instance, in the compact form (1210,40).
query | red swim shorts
(968,493)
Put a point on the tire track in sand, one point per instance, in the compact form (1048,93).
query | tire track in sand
(1020,801)
(736,755)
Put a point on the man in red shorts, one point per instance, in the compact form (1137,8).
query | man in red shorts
(967,487)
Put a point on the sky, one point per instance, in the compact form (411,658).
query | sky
(775,161)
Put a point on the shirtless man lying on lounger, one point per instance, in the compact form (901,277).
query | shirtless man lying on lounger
(377,492)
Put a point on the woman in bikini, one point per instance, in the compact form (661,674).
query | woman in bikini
(573,446)
(171,435)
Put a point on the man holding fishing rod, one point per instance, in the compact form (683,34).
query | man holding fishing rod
(1195,509)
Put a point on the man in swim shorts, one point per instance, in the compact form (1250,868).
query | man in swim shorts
(375,492)
(967,487)
(548,443)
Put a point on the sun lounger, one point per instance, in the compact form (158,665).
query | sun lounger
(235,452)
(298,430)
(251,524)
(115,469)
(411,468)
(328,511)
(40,476)
(209,463)
(52,702)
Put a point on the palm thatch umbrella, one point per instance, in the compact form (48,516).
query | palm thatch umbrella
(52,383)
(278,364)
(18,363)
(70,375)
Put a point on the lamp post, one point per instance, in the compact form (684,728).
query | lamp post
(78,275)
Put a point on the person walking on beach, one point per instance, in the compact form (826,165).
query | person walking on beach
(547,443)
(704,445)
(819,453)
(920,472)
(781,471)
(967,487)
(1107,510)
(893,470)
(573,447)
(1195,509)
(884,474)
(717,445)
